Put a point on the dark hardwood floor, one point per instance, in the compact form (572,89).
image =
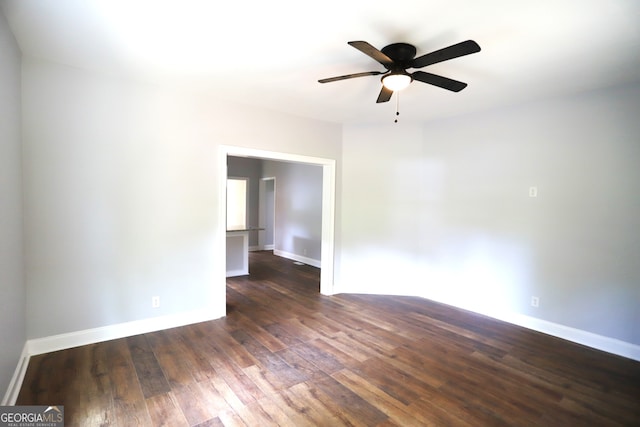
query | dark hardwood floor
(286,355)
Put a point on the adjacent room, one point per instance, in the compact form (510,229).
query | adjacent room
(462,251)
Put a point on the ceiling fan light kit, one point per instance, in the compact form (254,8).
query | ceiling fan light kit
(397,58)
(397,81)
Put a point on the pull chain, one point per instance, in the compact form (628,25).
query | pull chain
(397,106)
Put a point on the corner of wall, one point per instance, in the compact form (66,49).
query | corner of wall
(13,390)
(298,258)
(120,330)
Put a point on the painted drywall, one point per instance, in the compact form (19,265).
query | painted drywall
(381,200)
(267,211)
(121,192)
(443,211)
(298,209)
(12,290)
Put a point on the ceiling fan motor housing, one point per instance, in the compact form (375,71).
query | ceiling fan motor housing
(401,53)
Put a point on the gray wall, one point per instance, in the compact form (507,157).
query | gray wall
(298,208)
(12,290)
(121,194)
(298,203)
(268,211)
(442,210)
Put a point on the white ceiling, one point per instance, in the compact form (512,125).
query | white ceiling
(271,53)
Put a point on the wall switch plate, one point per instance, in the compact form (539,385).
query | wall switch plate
(155,302)
(533,191)
(535,302)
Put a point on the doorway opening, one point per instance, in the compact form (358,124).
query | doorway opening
(328,213)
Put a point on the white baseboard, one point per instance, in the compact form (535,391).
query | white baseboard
(90,336)
(579,336)
(589,339)
(299,258)
(120,330)
(260,248)
(235,273)
(11,395)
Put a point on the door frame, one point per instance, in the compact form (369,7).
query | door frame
(328,209)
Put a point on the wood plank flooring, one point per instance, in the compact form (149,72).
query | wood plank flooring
(286,355)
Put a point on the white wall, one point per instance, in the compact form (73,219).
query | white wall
(442,211)
(121,191)
(381,203)
(12,291)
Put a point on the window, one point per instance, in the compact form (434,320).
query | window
(237,203)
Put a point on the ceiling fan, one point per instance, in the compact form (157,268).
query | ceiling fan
(397,58)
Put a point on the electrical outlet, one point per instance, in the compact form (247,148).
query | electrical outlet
(533,191)
(155,302)
(535,302)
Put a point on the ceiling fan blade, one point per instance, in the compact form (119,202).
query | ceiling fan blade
(350,76)
(376,54)
(460,49)
(385,95)
(436,80)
